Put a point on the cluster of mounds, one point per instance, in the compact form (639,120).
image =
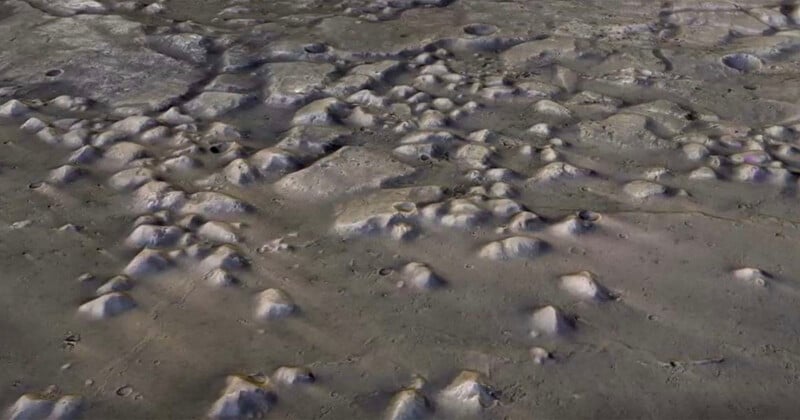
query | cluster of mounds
(443,135)
(48,405)
(253,396)
(467,394)
(249,396)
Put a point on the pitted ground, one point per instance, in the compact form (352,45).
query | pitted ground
(399,209)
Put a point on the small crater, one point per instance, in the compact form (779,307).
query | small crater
(315,48)
(742,62)
(124,391)
(479,29)
(588,215)
(54,73)
(405,207)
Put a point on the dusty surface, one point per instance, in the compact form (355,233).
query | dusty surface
(399,209)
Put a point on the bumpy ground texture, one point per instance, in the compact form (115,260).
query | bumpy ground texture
(399,209)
